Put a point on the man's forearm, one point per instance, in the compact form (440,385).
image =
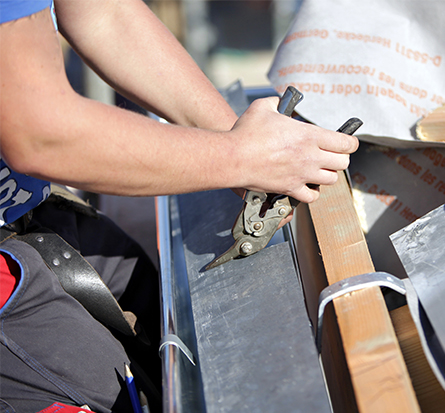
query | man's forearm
(108,150)
(133,51)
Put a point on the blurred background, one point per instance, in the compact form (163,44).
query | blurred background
(230,40)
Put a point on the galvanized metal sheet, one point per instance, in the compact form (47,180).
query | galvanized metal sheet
(421,248)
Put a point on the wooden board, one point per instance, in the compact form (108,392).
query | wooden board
(378,372)
(430,394)
(313,278)
(432,126)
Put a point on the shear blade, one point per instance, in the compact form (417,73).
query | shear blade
(229,255)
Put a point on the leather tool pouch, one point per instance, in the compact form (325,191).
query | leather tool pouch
(77,277)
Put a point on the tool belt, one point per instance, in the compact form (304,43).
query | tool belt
(77,277)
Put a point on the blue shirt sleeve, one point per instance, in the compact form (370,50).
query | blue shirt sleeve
(16,9)
(19,193)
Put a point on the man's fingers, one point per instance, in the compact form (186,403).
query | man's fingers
(326,177)
(332,141)
(348,143)
(339,143)
(333,161)
(284,155)
(308,194)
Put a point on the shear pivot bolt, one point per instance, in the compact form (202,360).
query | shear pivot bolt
(257,226)
(282,210)
(246,247)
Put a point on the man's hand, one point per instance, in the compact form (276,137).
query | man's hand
(281,155)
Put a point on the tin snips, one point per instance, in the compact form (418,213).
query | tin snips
(262,213)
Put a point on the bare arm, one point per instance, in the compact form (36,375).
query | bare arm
(49,131)
(144,61)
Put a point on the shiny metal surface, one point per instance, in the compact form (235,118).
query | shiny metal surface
(182,388)
(420,247)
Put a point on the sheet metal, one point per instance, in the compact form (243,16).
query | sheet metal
(420,247)
(256,351)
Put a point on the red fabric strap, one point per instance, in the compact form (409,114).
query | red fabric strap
(9,277)
(63,408)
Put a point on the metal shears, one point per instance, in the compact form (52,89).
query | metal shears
(262,213)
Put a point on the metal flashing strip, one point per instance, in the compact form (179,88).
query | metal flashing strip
(351,284)
(174,340)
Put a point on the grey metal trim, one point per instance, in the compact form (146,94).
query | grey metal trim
(348,285)
(167,302)
(182,388)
